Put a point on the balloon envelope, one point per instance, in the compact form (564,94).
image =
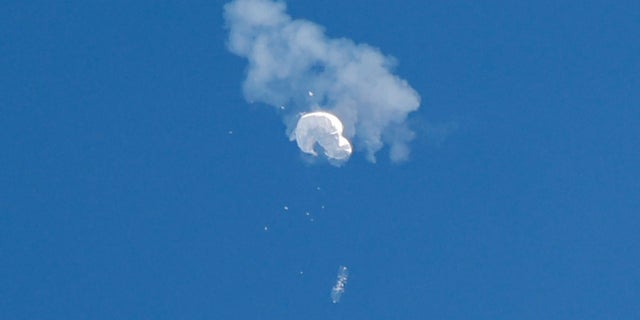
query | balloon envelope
(324,129)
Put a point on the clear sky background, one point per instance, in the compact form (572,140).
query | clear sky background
(123,194)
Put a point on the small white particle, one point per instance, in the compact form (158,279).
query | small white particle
(310,93)
(286,208)
(266,228)
(230,132)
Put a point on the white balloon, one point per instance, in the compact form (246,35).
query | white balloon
(324,129)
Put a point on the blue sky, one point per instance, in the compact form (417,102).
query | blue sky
(123,194)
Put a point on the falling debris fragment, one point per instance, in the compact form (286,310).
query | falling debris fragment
(286,208)
(341,282)
(266,228)
(310,93)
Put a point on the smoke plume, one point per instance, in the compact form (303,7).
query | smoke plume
(295,67)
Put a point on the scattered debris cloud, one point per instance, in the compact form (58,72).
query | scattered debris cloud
(295,67)
(341,282)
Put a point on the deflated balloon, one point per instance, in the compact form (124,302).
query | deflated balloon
(323,129)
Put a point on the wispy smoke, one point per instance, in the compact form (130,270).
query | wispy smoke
(295,67)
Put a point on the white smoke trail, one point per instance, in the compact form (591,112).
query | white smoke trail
(292,63)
